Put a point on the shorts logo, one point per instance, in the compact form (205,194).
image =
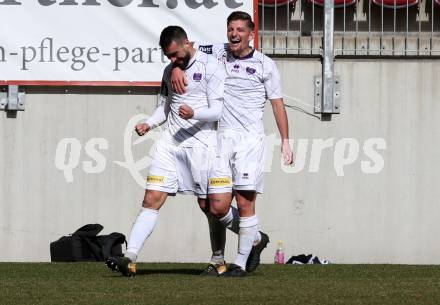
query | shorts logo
(156,179)
(197,76)
(245,176)
(250,70)
(224,181)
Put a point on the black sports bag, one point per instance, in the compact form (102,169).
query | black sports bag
(84,245)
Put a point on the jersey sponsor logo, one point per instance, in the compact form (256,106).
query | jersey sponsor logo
(250,70)
(223,181)
(206,49)
(156,179)
(197,77)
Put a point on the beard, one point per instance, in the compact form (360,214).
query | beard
(185,61)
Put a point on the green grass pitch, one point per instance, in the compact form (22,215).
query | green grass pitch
(168,284)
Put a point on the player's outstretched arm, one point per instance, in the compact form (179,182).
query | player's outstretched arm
(280,114)
(160,115)
(156,119)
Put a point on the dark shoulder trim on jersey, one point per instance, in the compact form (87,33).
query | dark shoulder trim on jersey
(164,89)
(206,49)
(190,65)
(250,55)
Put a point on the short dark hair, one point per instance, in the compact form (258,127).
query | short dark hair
(171,33)
(239,15)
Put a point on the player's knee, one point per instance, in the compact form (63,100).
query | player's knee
(246,211)
(219,211)
(152,200)
(245,197)
(246,206)
(148,203)
(219,204)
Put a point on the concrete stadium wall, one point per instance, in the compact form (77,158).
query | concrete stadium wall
(341,213)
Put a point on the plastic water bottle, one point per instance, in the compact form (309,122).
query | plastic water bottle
(279,253)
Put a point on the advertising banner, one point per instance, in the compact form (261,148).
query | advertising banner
(100,42)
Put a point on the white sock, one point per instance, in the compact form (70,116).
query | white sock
(257,238)
(132,256)
(231,220)
(246,238)
(217,234)
(141,230)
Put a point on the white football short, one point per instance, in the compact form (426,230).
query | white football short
(180,169)
(239,164)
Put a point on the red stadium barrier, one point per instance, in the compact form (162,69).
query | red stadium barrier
(396,3)
(273,3)
(338,3)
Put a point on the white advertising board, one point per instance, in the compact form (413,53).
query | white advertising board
(101,42)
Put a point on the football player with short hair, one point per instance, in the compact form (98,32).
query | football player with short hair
(184,153)
(251,79)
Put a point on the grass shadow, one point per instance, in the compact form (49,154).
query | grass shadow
(168,271)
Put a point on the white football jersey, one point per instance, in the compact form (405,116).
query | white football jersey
(250,81)
(206,79)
